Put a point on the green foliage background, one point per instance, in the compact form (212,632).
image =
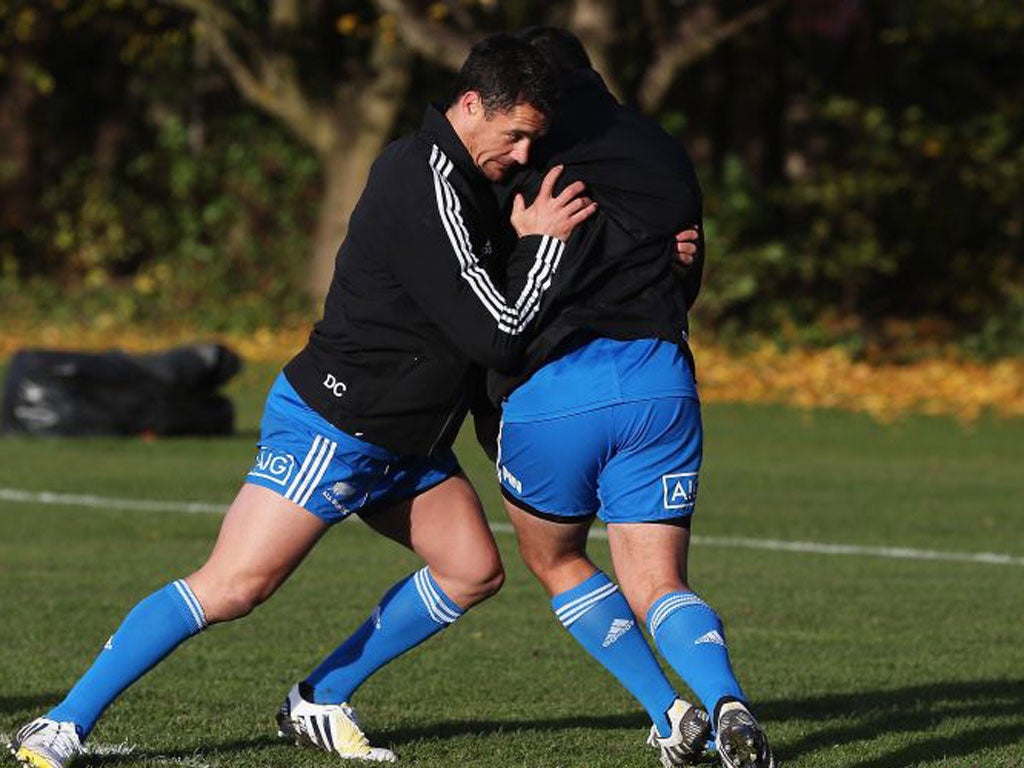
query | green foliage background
(864,180)
(218,239)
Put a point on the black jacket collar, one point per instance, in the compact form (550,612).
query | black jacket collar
(440,129)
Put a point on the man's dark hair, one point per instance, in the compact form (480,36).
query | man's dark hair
(506,72)
(562,50)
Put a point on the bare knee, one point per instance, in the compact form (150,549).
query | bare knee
(230,599)
(487,582)
(642,596)
(557,570)
(468,586)
(544,561)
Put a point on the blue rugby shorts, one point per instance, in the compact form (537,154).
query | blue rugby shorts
(307,460)
(629,462)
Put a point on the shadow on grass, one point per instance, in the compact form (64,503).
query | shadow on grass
(838,719)
(841,718)
(850,717)
(30,705)
(209,754)
(455,728)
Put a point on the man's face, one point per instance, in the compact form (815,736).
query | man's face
(501,140)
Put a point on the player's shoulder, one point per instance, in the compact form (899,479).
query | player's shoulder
(402,167)
(647,138)
(402,154)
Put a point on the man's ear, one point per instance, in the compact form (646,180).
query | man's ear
(470,103)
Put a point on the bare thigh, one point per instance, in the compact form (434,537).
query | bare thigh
(262,539)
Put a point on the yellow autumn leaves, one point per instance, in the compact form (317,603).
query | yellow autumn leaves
(804,378)
(829,379)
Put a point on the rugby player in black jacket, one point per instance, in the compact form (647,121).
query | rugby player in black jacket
(412,302)
(363,418)
(603,420)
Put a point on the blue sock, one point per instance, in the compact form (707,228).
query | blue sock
(598,616)
(690,636)
(412,610)
(150,631)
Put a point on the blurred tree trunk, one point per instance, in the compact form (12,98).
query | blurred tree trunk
(16,148)
(595,24)
(364,123)
(774,153)
(346,129)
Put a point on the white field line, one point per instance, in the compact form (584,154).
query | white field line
(102,502)
(126,749)
(808,547)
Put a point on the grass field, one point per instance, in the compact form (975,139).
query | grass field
(856,660)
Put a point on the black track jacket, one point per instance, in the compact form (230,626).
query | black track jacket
(412,302)
(626,283)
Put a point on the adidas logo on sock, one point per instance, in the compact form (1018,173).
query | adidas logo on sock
(618,628)
(711,637)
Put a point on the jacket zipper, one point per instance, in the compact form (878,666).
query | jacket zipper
(447,422)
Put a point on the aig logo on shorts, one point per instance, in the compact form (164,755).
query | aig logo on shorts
(276,467)
(680,490)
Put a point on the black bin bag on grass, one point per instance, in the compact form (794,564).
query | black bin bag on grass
(174,392)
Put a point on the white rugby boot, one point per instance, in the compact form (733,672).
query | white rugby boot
(46,743)
(740,739)
(330,727)
(691,728)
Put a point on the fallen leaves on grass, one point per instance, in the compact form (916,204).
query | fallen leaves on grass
(829,379)
(805,378)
